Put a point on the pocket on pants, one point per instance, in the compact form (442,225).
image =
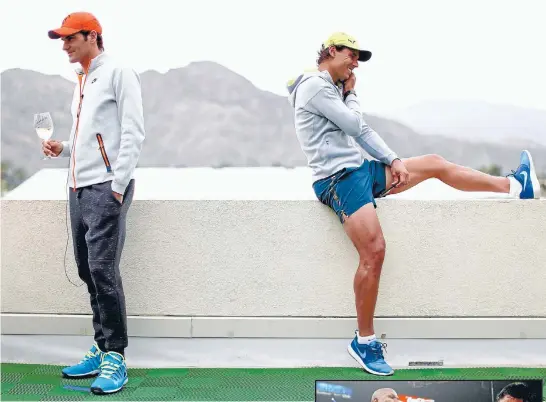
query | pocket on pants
(114,197)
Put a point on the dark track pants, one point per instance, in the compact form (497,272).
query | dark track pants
(98,232)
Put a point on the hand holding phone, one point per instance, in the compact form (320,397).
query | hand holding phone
(349,83)
(387,190)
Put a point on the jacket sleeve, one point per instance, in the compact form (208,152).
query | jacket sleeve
(67,145)
(128,95)
(374,145)
(65,152)
(346,115)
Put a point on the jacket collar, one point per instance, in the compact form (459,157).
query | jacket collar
(95,63)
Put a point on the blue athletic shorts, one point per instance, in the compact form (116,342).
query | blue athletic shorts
(349,189)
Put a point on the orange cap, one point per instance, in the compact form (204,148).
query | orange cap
(75,23)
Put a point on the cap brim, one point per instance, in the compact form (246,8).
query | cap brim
(62,32)
(364,55)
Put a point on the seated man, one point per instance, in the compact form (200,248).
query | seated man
(330,129)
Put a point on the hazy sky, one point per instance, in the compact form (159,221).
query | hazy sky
(449,49)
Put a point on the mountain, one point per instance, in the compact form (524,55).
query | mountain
(477,121)
(206,115)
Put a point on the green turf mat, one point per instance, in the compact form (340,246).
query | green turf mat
(43,383)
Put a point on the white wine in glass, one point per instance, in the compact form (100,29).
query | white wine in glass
(43,124)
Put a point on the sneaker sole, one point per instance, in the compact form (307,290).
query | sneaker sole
(86,375)
(534,178)
(354,356)
(99,391)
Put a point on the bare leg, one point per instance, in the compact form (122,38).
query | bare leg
(462,178)
(364,230)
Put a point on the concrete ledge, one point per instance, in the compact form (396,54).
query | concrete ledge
(283,327)
(238,259)
(51,324)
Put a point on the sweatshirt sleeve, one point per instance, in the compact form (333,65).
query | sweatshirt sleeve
(126,83)
(65,152)
(374,145)
(67,145)
(346,115)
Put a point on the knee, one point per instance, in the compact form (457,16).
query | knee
(373,253)
(377,248)
(437,164)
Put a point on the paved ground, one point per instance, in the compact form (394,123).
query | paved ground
(43,383)
(253,369)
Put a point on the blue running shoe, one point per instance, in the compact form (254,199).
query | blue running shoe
(113,374)
(87,367)
(370,357)
(527,177)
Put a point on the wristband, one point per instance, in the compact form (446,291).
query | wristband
(349,92)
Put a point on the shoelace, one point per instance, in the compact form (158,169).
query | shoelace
(378,348)
(89,355)
(514,171)
(108,368)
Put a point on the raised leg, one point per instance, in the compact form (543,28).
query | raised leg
(460,177)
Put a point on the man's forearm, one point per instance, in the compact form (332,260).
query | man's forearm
(65,151)
(129,153)
(346,115)
(374,145)
(131,117)
(67,145)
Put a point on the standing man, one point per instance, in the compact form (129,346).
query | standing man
(331,132)
(104,148)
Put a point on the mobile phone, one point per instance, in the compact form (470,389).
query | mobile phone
(387,190)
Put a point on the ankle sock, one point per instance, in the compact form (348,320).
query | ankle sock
(366,340)
(515,187)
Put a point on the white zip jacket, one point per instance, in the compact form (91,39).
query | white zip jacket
(108,126)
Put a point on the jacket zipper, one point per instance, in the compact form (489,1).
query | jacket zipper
(103,153)
(77,128)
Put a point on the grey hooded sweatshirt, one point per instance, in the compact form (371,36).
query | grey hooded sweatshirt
(329,129)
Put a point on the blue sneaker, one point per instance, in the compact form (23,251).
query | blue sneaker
(87,367)
(527,177)
(370,357)
(113,374)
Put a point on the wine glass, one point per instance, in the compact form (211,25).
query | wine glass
(43,124)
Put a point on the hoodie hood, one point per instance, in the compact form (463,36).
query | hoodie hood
(293,84)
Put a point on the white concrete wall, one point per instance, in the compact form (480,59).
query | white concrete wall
(258,258)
